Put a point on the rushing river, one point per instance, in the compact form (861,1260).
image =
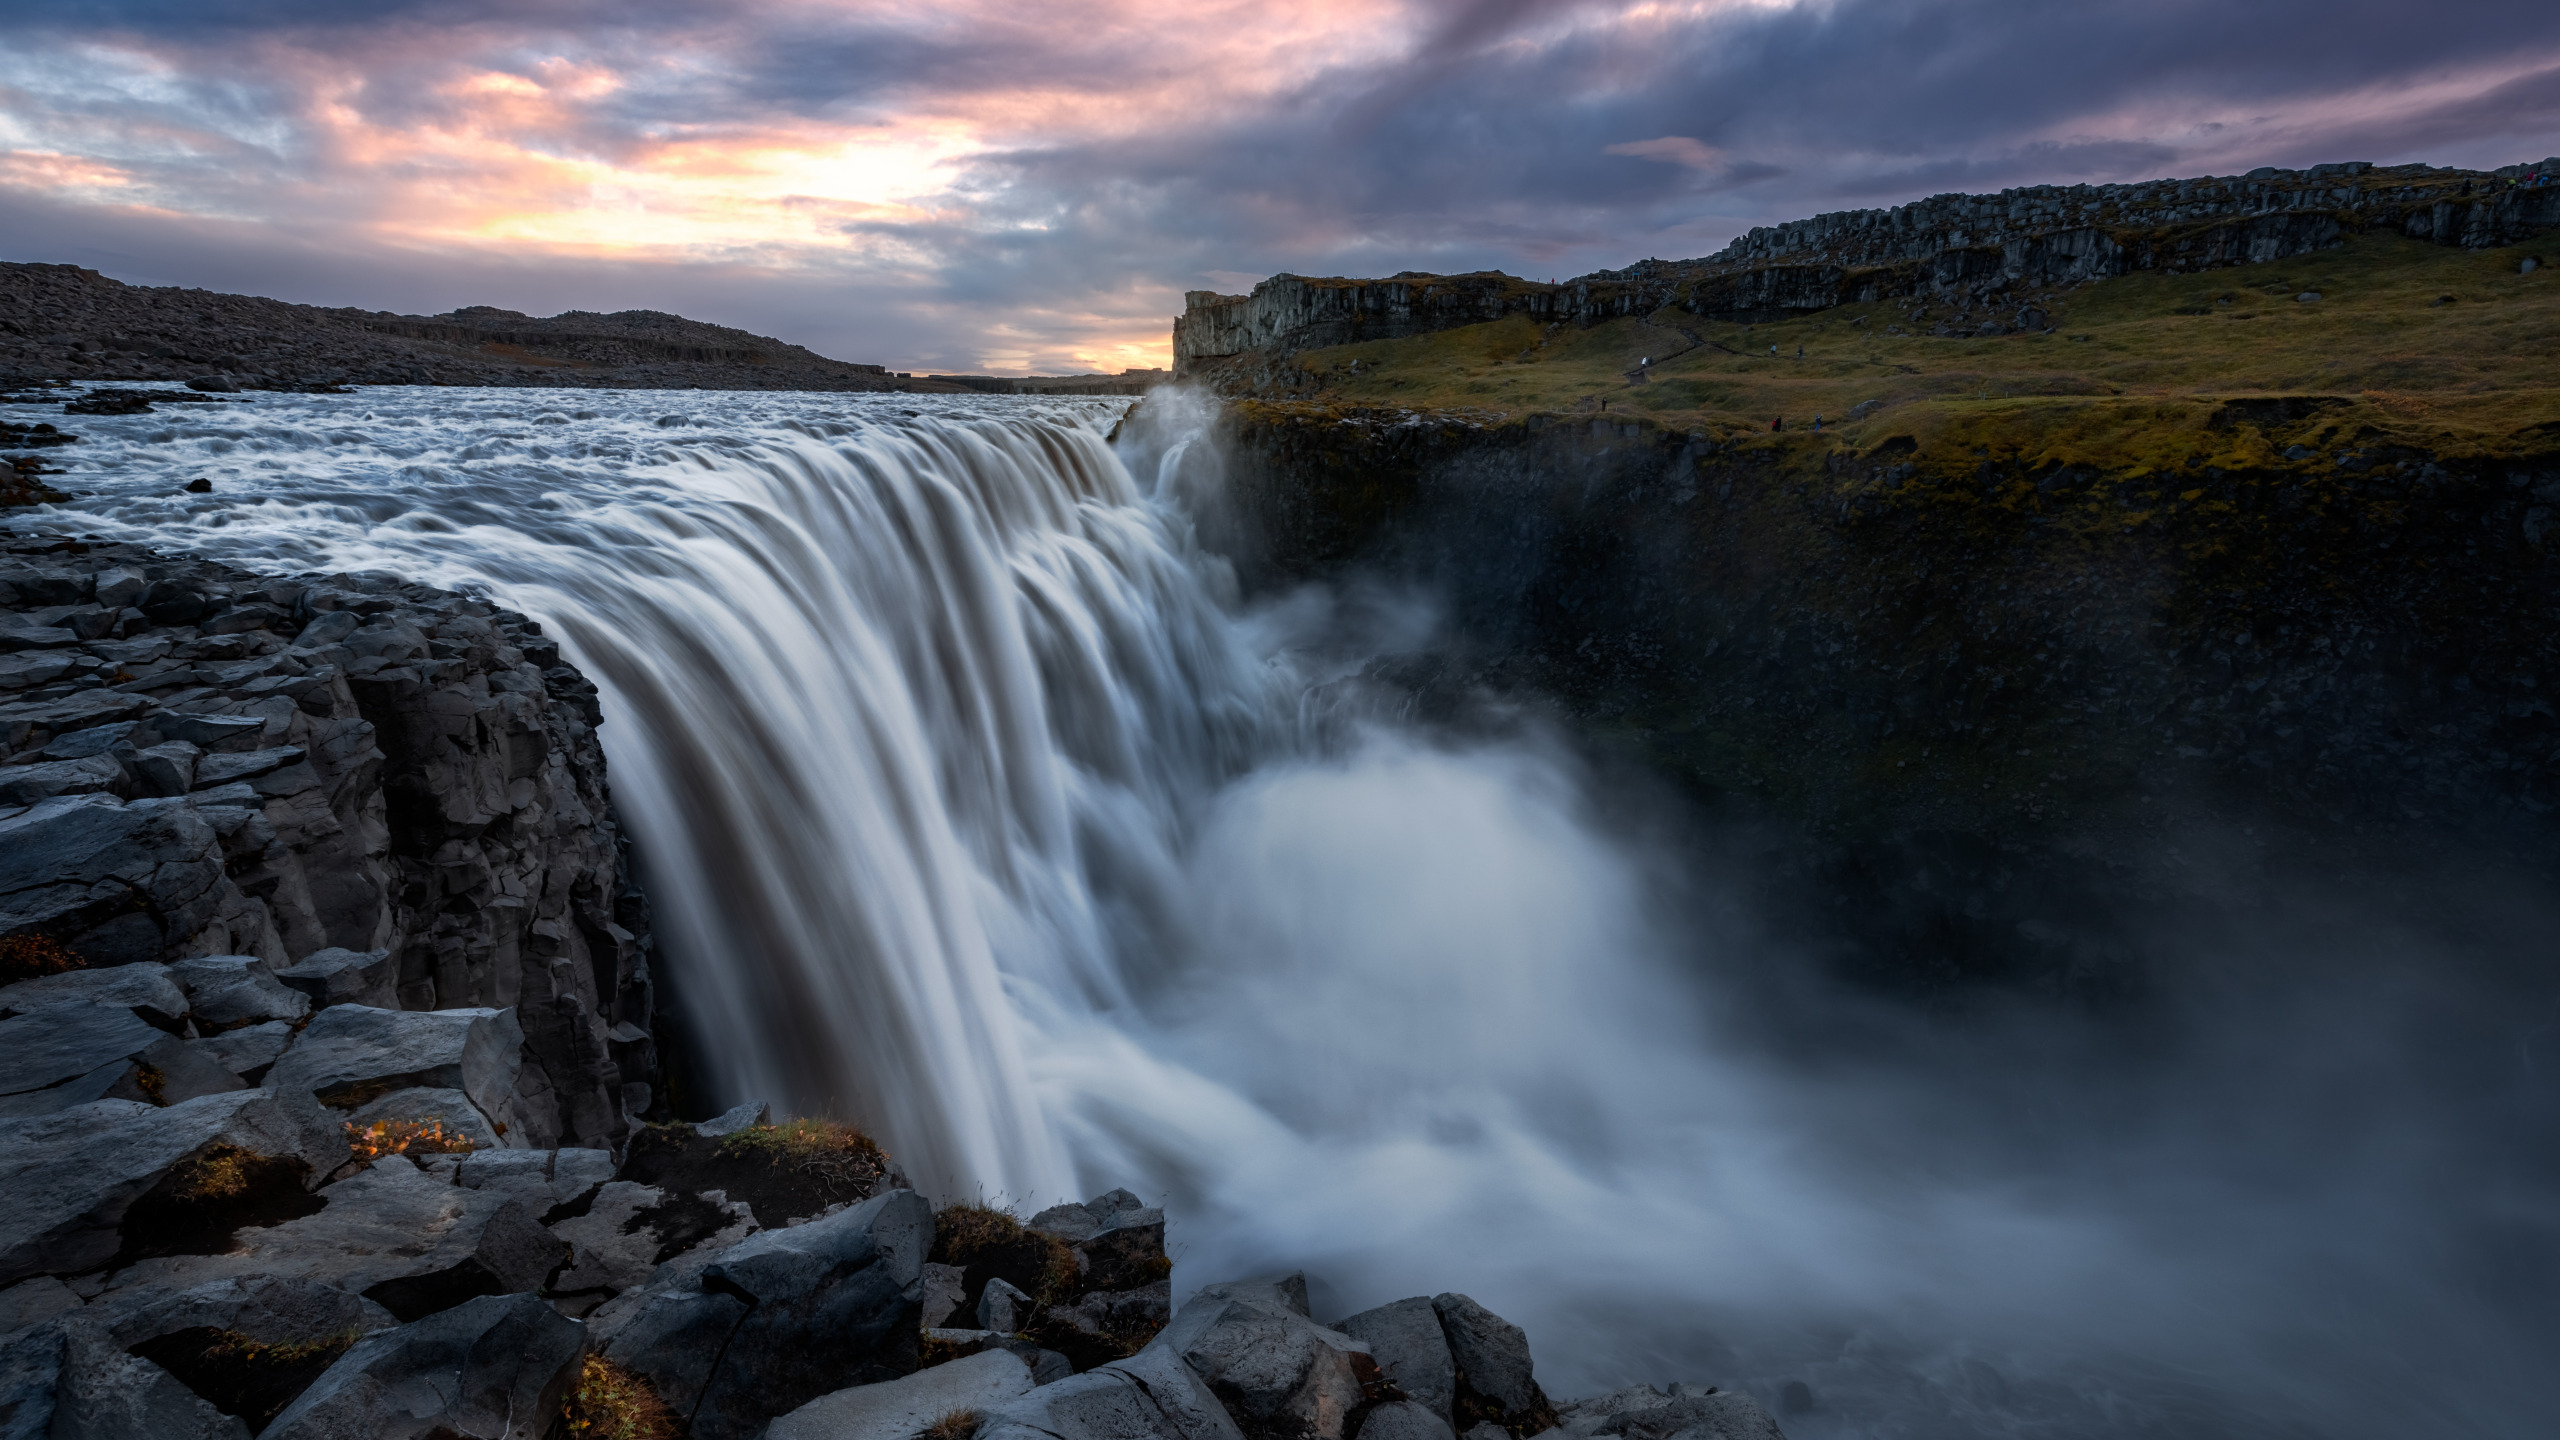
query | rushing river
(978,808)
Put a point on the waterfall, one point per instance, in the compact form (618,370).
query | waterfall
(979,809)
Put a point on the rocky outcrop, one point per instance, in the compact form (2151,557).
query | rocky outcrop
(300,793)
(1948,247)
(61,322)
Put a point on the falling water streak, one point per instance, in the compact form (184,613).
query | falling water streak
(896,712)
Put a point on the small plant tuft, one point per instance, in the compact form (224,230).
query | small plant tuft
(841,1158)
(955,1425)
(32,957)
(385,1138)
(612,1403)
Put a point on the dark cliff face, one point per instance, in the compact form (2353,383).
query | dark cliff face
(1947,247)
(196,760)
(1942,665)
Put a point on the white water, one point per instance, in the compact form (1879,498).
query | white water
(978,809)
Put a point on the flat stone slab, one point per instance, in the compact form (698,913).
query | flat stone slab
(352,1054)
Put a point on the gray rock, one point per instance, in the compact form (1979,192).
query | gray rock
(407,1238)
(1149,1396)
(784,1317)
(1273,1368)
(345,977)
(1406,1420)
(27,784)
(418,1103)
(272,1309)
(115,882)
(144,989)
(1142,1311)
(32,1302)
(45,1048)
(1406,1341)
(248,1051)
(229,990)
(1003,1308)
(1112,1210)
(1493,1363)
(898,1409)
(91,743)
(540,1178)
(1486,1430)
(500,1365)
(67,1381)
(735,1119)
(358,1051)
(613,1247)
(945,1286)
(70,1176)
(215,770)
(119,586)
(179,1072)
(225,733)
(166,769)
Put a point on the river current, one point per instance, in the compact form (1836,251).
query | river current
(977,807)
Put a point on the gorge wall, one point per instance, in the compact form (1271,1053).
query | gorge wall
(1947,246)
(1996,694)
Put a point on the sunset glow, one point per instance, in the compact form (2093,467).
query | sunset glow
(999,187)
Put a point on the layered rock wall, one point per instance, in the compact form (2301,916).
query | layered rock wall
(201,761)
(1948,245)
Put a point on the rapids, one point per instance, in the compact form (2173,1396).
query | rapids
(978,808)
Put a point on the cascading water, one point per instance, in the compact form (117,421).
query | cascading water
(978,808)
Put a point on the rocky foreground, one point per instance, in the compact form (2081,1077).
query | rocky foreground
(325,1072)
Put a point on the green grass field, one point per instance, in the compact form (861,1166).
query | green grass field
(2450,351)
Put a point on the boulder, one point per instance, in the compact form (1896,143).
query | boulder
(346,977)
(352,1054)
(234,990)
(784,1317)
(71,1176)
(144,989)
(1494,1377)
(47,1050)
(540,1178)
(496,1366)
(1405,1420)
(1149,1396)
(734,1119)
(247,1051)
(1406,1341)
(1003,1308)
(899,1409)
(66,1380)
(1276,1370)
(945,1286)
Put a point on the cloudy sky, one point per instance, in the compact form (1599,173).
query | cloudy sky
(1019,187)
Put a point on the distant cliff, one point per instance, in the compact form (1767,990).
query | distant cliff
(61,322)
(1955,247)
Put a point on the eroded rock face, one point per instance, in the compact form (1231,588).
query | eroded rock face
(1276,1370)
(305,795)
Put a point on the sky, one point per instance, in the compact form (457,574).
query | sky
(1030,187)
